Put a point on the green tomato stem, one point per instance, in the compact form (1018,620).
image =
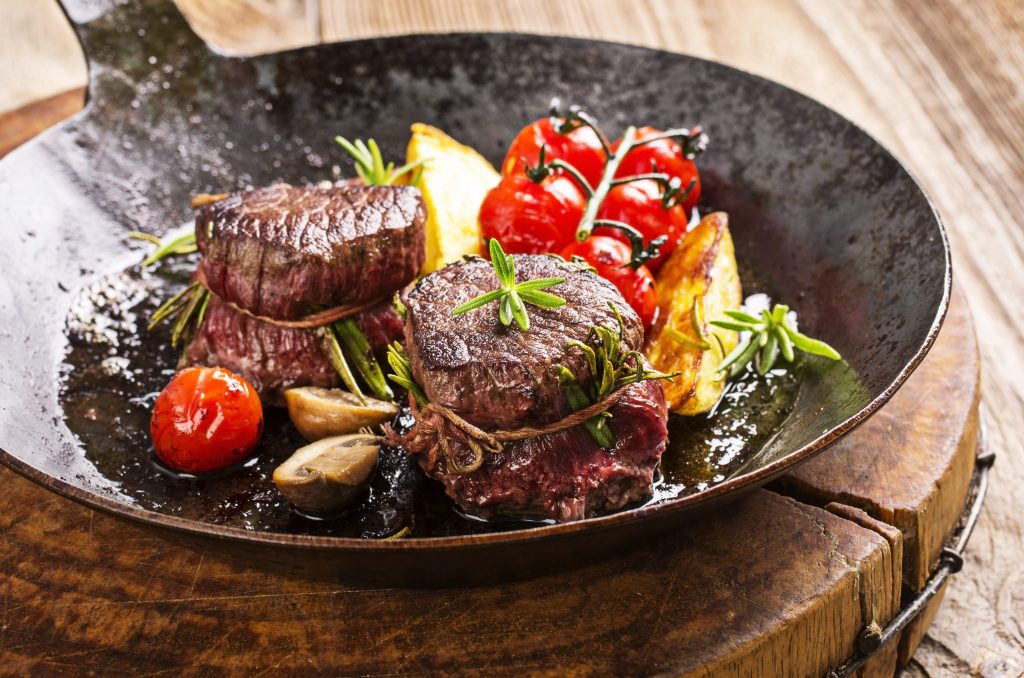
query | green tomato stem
(586,226)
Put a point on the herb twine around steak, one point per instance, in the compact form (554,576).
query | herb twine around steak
(512,297)
(370,163)
(611,369)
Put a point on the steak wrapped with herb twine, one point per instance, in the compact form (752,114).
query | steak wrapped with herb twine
(531,397)
(295,284)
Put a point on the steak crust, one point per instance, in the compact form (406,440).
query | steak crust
(285,252)
(501,377)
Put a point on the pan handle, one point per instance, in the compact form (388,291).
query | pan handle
(129,34)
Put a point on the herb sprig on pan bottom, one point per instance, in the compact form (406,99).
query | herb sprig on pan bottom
(767,337)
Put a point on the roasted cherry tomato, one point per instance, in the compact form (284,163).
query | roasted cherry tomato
(611,258)
(667,156)
(581,148)
(205,420)
(638,204)
(532,218)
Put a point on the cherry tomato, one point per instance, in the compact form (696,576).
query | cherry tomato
(638,204)
(611,259)
(205,420)
(531,218)
(581,148)
(667,156)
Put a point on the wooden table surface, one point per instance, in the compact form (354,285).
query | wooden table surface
(941,83)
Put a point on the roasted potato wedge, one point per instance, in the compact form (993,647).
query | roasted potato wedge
(701,271)
(454,180)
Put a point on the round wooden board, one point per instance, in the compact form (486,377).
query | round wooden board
(780,583)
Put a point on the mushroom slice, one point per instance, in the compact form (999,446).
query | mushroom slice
(328,475)
(321,412)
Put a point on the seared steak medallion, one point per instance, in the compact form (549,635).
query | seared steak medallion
(275,358)
(285,252)
(499,377)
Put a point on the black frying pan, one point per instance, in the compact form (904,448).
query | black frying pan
(823,218)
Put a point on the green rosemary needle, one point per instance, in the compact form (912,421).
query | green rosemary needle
(765,339)
(512,297)
(370,163)
(610,369)
(184,243)
(402,373)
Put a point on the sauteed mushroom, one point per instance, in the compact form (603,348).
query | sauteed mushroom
(328,475)
(321,412)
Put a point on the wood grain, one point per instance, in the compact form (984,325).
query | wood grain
(939,82)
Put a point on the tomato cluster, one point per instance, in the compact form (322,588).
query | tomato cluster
(537,207)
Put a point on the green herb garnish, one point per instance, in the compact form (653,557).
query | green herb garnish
(513,297)
(187,308)
(701,343)
(370,163)
(611,368)
(356,348)
(402,373)
(766,338)
(170,245)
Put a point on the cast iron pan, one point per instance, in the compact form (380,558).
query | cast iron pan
(823,217)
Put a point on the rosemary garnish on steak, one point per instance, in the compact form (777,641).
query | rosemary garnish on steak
(611,369)
(512,295)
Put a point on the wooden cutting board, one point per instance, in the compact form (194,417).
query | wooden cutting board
(780,583)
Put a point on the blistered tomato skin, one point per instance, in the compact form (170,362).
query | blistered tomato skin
(581,148)
(639,204)
(205,420)
(610,258)
(531,218)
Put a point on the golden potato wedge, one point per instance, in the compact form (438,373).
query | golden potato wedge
(454,180)
(701,270)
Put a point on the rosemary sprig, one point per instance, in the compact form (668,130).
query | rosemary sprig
(402,373)
(370,163)
(170,245)
(332,348)
(701,343)
(357,349)
(765,338)
(611,368)
(512,297)
(187,308)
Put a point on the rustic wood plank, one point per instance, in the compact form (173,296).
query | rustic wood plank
(22,124)
(707,602)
